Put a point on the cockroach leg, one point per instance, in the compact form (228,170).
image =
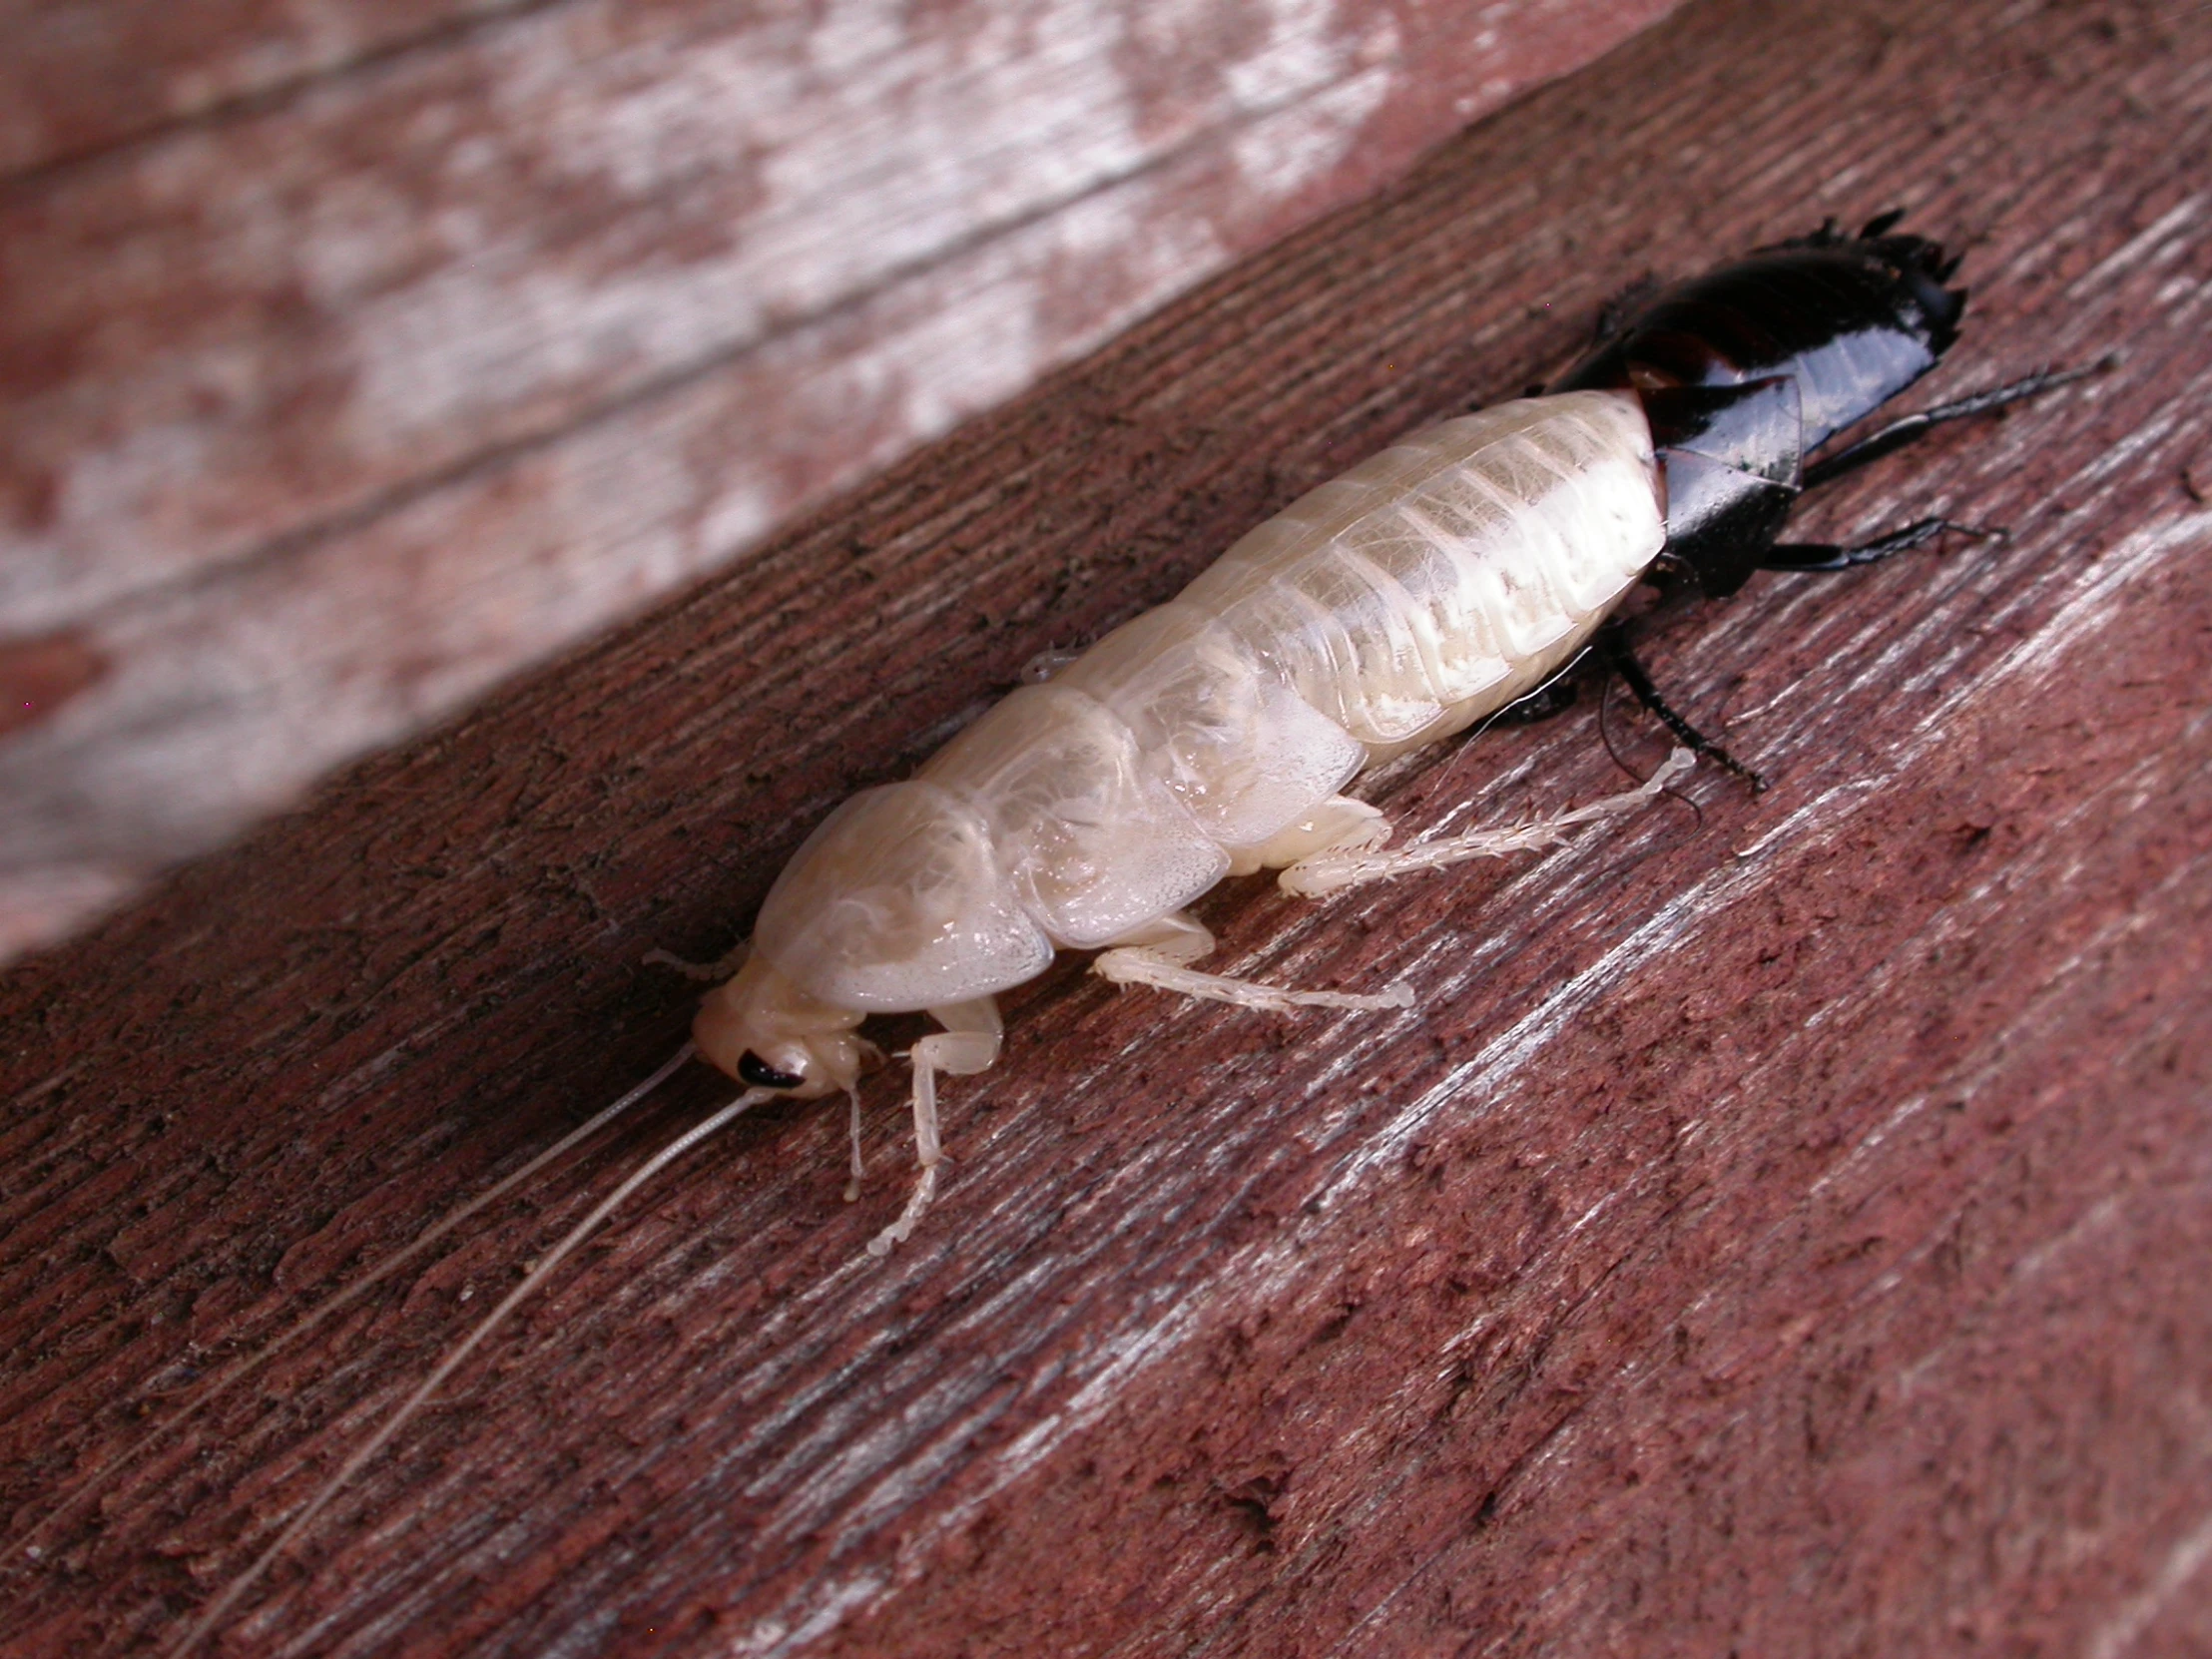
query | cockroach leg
(1159,955)
(1555,697)
(859,1164)
(969,1043)
(1913,428)
(1133,965)
(1333,871)
(1339,825)
(1815,555)
(1613,641)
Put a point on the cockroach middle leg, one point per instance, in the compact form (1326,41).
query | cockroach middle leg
(1135,966)
(1159,955)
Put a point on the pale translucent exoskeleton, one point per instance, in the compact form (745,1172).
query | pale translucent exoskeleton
(1422,591)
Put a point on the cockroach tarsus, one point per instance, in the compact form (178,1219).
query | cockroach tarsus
(1458,578)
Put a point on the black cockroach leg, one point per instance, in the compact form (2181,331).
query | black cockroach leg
(1613,642)
(1555,697)
(1817,555)
(1899,433)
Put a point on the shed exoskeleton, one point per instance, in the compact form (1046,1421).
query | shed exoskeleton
(1430,588)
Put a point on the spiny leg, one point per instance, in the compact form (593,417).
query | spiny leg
(1815,555)
(1614,643)
(1913,428)
(1333,871)
(968,1044)
(1158,955)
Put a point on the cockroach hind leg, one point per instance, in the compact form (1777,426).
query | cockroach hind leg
(1335,871)
(969,1043)
(1895,436)
(1818,556)
(1337,825)
(1613,641)
(1159,955)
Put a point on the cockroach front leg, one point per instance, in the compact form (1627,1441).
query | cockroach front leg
(969,1043)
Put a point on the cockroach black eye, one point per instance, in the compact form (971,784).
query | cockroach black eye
(762,1075)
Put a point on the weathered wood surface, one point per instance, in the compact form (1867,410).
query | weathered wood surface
(1781,1230)
(354,355)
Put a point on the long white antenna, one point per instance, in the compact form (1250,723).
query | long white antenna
(446,1367)
(103,1477)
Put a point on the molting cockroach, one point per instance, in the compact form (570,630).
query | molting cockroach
(1444,582)
(1430,588)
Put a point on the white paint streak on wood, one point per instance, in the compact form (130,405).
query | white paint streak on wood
(450,292)
(558,319)
(2157,244)
(2175,1573)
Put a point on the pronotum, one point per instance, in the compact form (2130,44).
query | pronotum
(1458,575)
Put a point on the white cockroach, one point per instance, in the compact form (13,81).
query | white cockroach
(1425,588)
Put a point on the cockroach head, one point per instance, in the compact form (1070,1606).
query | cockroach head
(766,1032)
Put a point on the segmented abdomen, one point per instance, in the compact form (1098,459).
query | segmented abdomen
(1449,575)
(1428,587)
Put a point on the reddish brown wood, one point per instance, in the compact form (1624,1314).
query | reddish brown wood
(325,410)
(84,76)
(1780,1231)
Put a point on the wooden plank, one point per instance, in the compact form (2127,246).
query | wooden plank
(1778,1230)
(82,78)
(321,415)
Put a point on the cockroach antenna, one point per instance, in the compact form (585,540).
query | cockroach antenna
(27,1544)
(403,1413)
